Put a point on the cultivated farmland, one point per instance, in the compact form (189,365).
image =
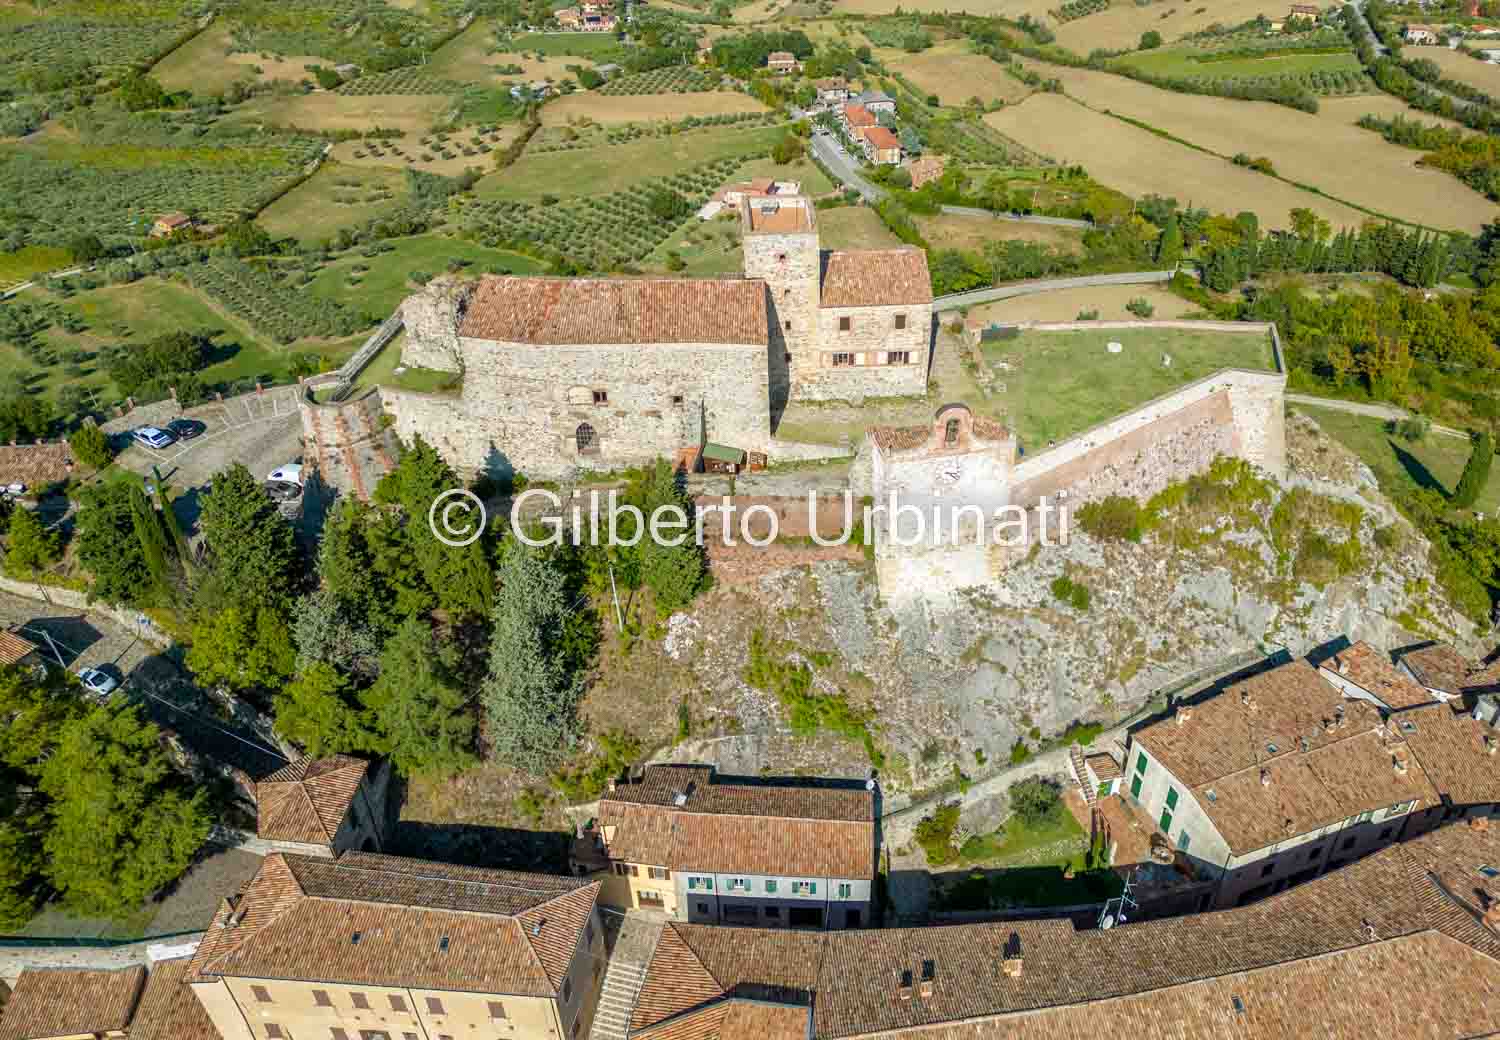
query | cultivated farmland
(1061,383)
(953,73)
(635,108)
(1005,8)
(337,196)
(327,111)
(589,171)
(1120,27)
(429,153)
(951,231)
(1345,161)
(1138,162)
(200,65)
(674,79)
(1478,74)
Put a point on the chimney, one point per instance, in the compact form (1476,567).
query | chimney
(610,787)
(1479,823)
(1399,761)
(1245,699)
(1012,967)
(1265,778)
(1183,714)
(1491,745)
(1492,916)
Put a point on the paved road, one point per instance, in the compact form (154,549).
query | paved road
(1016,218)
(844,167)
(1359,9)
(14,289)
(1036,285)
(1375,411)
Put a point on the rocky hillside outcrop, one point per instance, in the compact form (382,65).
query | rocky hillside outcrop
(1233,566)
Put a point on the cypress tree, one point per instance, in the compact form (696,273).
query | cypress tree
(1476,472)
(1169,249)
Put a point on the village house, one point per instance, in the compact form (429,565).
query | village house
(323,807)
(35,469)
(370,945)
(586,18)
(833,90)
(926,169)
(1442,671)
(169,224)
(57,1003)
(17,651)
(1420,34)
(881,145)
(782,62)
(703,848)
(1385,937)
(876,101)
(728,198)
(1299,770)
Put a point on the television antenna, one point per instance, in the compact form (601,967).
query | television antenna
(1114,911)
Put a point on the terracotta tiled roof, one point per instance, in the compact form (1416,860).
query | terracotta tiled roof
(13,648)
(736,1019)
(308,800)
(1452,750)
(1438,667)
(881,138)
(725,827)
(382,921)
(36,465)
(1104,767)
(169,1010)
(585,311)
(50,1002)
(1282,754)
(1374,918)
(1371,670)
(876,278)
(859,115)
(832,83)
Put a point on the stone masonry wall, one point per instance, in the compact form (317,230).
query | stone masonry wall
(871,336)
(522,406)
(791,266)
(432,317)
(348,442)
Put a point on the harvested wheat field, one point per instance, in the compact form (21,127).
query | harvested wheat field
(325,111)
(640,108)
(1349,109)
(955,74)
(1137,162)
(952,231)
(1067,304)
(202,66)
(1120,26)
(1478,74)
(1320,150)
(1006,8)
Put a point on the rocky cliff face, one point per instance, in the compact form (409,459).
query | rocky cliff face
(1237,567)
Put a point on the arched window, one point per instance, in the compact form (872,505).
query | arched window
(950,436)
(587,439)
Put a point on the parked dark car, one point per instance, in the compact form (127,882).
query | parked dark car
(186,429)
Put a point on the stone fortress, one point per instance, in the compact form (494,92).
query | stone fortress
(562,376)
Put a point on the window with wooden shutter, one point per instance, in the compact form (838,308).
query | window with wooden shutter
(435,1006)
(262,995)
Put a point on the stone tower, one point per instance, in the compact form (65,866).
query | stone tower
(432,317)
(781,248)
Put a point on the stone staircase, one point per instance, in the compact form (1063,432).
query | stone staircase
(1081,776)
(626,975)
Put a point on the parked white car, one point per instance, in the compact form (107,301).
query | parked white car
(97,682)
(151,437)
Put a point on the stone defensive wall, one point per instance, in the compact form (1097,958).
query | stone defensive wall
(349,442)
(1235,412)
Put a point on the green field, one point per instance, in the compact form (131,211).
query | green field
(337,196)
(381,371)
(1061,383)
(598,171)
(33,260)
(383,286)
(146,309)
(1435,462)
(1179,62)
(599,46)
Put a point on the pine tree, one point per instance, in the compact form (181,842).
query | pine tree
(531,693)
(1169,249)
(249,543)
(122,824)
(29,546)
(1476,472)
(421,714)
(109,547)
(315,711)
